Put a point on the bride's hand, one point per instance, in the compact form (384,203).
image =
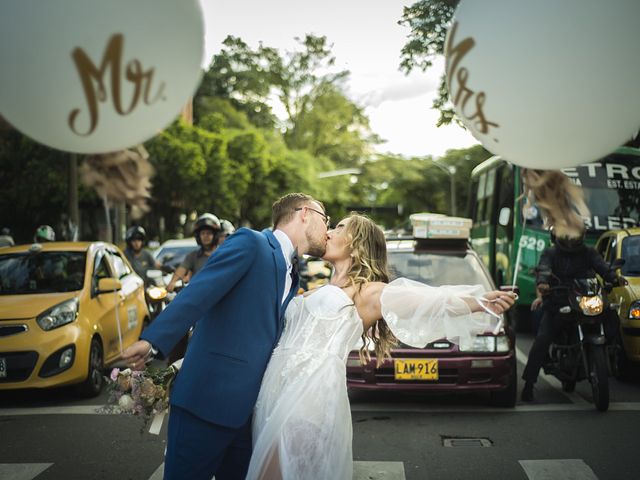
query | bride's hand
(499,302)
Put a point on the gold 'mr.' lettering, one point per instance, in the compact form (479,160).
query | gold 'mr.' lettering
(454,54)
(112,59)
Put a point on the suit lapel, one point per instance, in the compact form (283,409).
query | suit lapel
(281,270)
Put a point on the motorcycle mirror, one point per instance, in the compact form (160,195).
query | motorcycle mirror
(618,263)
(154,274)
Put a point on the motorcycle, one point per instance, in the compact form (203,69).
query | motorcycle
(156,293)
(580,351)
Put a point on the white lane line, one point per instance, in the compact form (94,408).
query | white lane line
(553,381)
(22,471)
(557,470)
(378,470)
(64,410)
(158,474)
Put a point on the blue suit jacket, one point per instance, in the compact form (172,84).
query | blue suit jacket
(235,304)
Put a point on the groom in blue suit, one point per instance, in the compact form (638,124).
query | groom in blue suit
(236,303)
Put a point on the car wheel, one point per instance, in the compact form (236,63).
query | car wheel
(507,397)
(92,386)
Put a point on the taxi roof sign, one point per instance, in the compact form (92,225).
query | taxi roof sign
(439,226)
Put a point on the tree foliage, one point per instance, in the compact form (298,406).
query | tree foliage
(429,21)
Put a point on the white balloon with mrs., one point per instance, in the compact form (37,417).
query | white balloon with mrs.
(94,76)
(546,84)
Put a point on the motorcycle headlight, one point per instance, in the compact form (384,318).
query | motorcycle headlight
(634,311)
(62,314)
(156,293)
(591,305)
(479,344)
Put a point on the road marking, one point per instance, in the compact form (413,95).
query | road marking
(22,471)
(378,471)
(64,410)
(557,470)
(553,381)
(159,473)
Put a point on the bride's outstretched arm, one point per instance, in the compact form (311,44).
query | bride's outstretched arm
(370,306)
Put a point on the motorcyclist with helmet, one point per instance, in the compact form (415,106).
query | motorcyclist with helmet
(226,229)
(6,240)
(44,233)
(207,231)
(140,259)
(568,258)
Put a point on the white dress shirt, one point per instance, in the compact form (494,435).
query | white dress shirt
(287,251)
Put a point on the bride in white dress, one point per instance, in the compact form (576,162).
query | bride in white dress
(302,419)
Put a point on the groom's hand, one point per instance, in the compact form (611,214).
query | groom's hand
(137,354)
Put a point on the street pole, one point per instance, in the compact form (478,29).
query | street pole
(72,196)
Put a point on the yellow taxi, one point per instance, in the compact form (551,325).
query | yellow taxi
(67,310)
(613,245)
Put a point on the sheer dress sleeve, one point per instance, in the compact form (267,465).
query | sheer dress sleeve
(419,314)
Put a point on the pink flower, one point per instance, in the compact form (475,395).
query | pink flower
(114,374)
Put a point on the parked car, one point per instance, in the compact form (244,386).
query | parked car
(172,252)
(488,364)
(625,244)
(67,310)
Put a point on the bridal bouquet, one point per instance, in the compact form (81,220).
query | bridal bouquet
(142,393)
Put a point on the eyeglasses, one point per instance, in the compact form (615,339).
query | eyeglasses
(327,218)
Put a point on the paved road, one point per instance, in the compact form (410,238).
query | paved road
(52,435)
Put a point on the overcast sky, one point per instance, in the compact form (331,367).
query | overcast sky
(366,41)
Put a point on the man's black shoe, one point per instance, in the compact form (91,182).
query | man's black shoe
(527,392)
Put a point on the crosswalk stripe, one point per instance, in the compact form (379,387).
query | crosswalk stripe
(22,471)
(574,469)
(158,474)
(378,470)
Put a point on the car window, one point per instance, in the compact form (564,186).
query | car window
(437,269)
(119,266)
(100,269)
(41,272)
(173,255)
(602,245)
(611,251)
(631,255)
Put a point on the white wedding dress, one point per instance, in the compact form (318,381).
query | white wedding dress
(302,419)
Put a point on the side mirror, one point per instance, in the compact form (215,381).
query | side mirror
(108,285)
(504,216)
(618,263)
(154,274)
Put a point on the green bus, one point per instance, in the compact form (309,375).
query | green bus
(502,230)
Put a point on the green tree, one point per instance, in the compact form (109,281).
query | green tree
(429,21)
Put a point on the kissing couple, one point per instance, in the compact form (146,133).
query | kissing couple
(262,390)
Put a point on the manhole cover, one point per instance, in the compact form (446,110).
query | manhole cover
(467,442)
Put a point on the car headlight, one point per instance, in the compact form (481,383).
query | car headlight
(484,343)
(634,311)
(62,314)
(591,305)
(156,293)
(502,343)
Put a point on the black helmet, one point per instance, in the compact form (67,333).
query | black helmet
(135,232)
(227,227)
(44,233)
(206,220)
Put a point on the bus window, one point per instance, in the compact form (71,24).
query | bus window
(480,198)
(488,193)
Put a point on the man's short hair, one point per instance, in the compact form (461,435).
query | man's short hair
(284,209)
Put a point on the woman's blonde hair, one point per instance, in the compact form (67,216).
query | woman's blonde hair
(369,264)
(560,201)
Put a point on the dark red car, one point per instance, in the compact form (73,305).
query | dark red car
(489,364)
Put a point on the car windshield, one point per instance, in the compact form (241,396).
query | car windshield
(173,255)
(41,272)
(631,255)
(437,269)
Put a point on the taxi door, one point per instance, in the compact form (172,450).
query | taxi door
(133,308)
(103,306)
